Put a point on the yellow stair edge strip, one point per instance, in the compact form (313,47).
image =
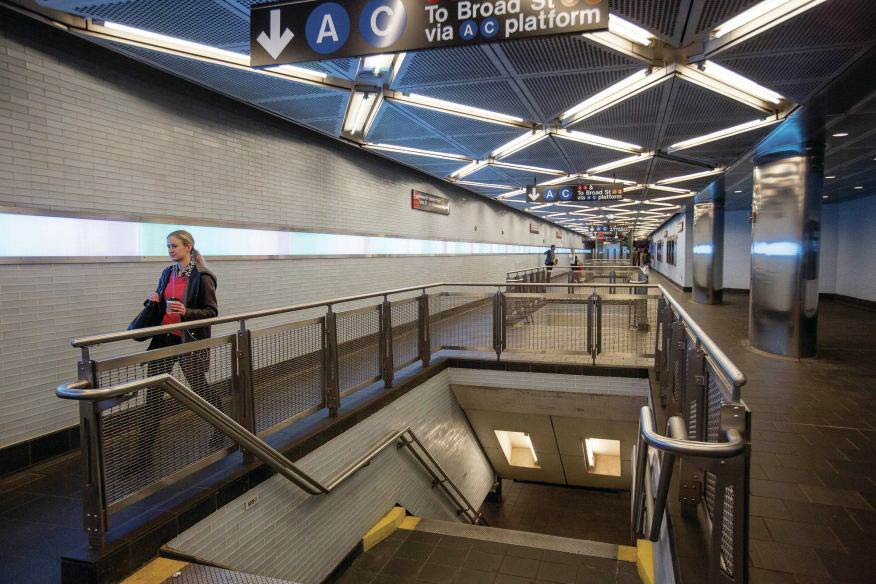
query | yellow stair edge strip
(383,528)
(155,572)
(626,553)
(645,560)
(410,523)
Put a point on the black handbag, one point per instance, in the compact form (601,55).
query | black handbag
(151,315)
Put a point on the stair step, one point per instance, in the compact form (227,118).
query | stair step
(528,539)
(200,574)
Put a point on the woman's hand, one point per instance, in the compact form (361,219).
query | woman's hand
(176,307)
(153,297)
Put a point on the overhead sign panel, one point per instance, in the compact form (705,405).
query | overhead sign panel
(582,192)
(317,29)
(430,203)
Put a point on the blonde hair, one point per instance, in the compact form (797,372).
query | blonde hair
(187,239)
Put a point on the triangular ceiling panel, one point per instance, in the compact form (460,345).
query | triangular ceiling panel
(634,120)
(724,152)
(443,66)
(545,154)
(554,94)
(490,174)
(663,168)
(561,54)
(584,156)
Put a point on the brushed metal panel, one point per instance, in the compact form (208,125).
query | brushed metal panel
(786,211)
(708,245)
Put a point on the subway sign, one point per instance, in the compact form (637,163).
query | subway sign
(283,33)
(576,192)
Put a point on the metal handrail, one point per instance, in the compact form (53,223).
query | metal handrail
(79,390)
(676,444)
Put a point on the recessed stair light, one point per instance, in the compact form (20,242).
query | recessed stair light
(840,134)
(830,176)
(858,188)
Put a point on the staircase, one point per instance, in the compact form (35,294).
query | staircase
(441,552)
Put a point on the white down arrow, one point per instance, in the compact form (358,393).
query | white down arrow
(275,43)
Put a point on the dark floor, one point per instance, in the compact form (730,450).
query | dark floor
(563,511)
(415,556)
(41,517)
(813,464)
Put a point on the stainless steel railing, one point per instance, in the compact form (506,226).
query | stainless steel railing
(95,400)
(135,441)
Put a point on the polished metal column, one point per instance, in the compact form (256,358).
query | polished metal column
(786,225)
(708,244)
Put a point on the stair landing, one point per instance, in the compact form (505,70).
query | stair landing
(440,552)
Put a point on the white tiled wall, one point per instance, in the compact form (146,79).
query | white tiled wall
(83,129)
(681,272)
(288,534)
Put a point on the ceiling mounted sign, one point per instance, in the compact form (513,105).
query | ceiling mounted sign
(577,192)
(284,33)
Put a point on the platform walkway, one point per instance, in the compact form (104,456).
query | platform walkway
(813,464)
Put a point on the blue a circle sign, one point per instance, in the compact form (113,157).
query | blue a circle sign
(327,28)
(550,195)
(382,22)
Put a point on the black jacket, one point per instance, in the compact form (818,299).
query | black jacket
(200,300)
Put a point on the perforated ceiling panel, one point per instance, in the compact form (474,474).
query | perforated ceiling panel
(584,156)
(714,12)
(209,22)
(441,66)
(554,94)
(491,175)
(662,17)
(634,120)
(560,54)
(663,168)
(547,154)
(729,149)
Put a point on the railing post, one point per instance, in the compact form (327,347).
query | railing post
(242,379)
(598,345)
(386,360)
(690,492)
(728,547)
(591,324)
(498,323)
(425,342)
(330,365)
(94,513)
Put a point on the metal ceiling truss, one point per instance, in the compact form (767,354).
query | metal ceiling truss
(657,48)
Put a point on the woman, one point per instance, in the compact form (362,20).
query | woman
(186,291)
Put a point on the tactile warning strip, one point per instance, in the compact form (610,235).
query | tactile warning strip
(199,574)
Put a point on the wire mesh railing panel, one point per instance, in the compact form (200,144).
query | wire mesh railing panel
(358,348)
(405,347)
(727,535)
(545,325)
(461,321)
(715,398)
(148,436)
(628,324)
(286,372)
(710,491)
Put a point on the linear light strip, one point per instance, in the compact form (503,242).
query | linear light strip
(593,140)
(472,183)
(755,20)
(621,163)
(620,91)
(456,109)
(692,176)
(724,87)
(415,151)
(725,133)
(468,169)
(523,167)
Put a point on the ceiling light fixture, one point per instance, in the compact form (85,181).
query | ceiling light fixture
(724,81)
(593,140)
(513,193)
(762,16)
(737,191)
(623,89)
(725,133)
(669,189)
(840,134)
(360,108)
(456,109)
(518,143)
(858,188)
(629,31)
(481,185)
(152,40)
(685,196)
(415,151)
(606,179)
(692,176)
(377,63)
(467,169)
(830,176)
(622,162)
(533,169)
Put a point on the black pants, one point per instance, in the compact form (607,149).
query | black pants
(194,366)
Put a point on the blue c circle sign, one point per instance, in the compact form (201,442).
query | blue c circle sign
(490,27)
(327,28)
(566,193)
(382,22)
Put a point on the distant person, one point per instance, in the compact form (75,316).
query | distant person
(577,270)
(550,260)
(186,291)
